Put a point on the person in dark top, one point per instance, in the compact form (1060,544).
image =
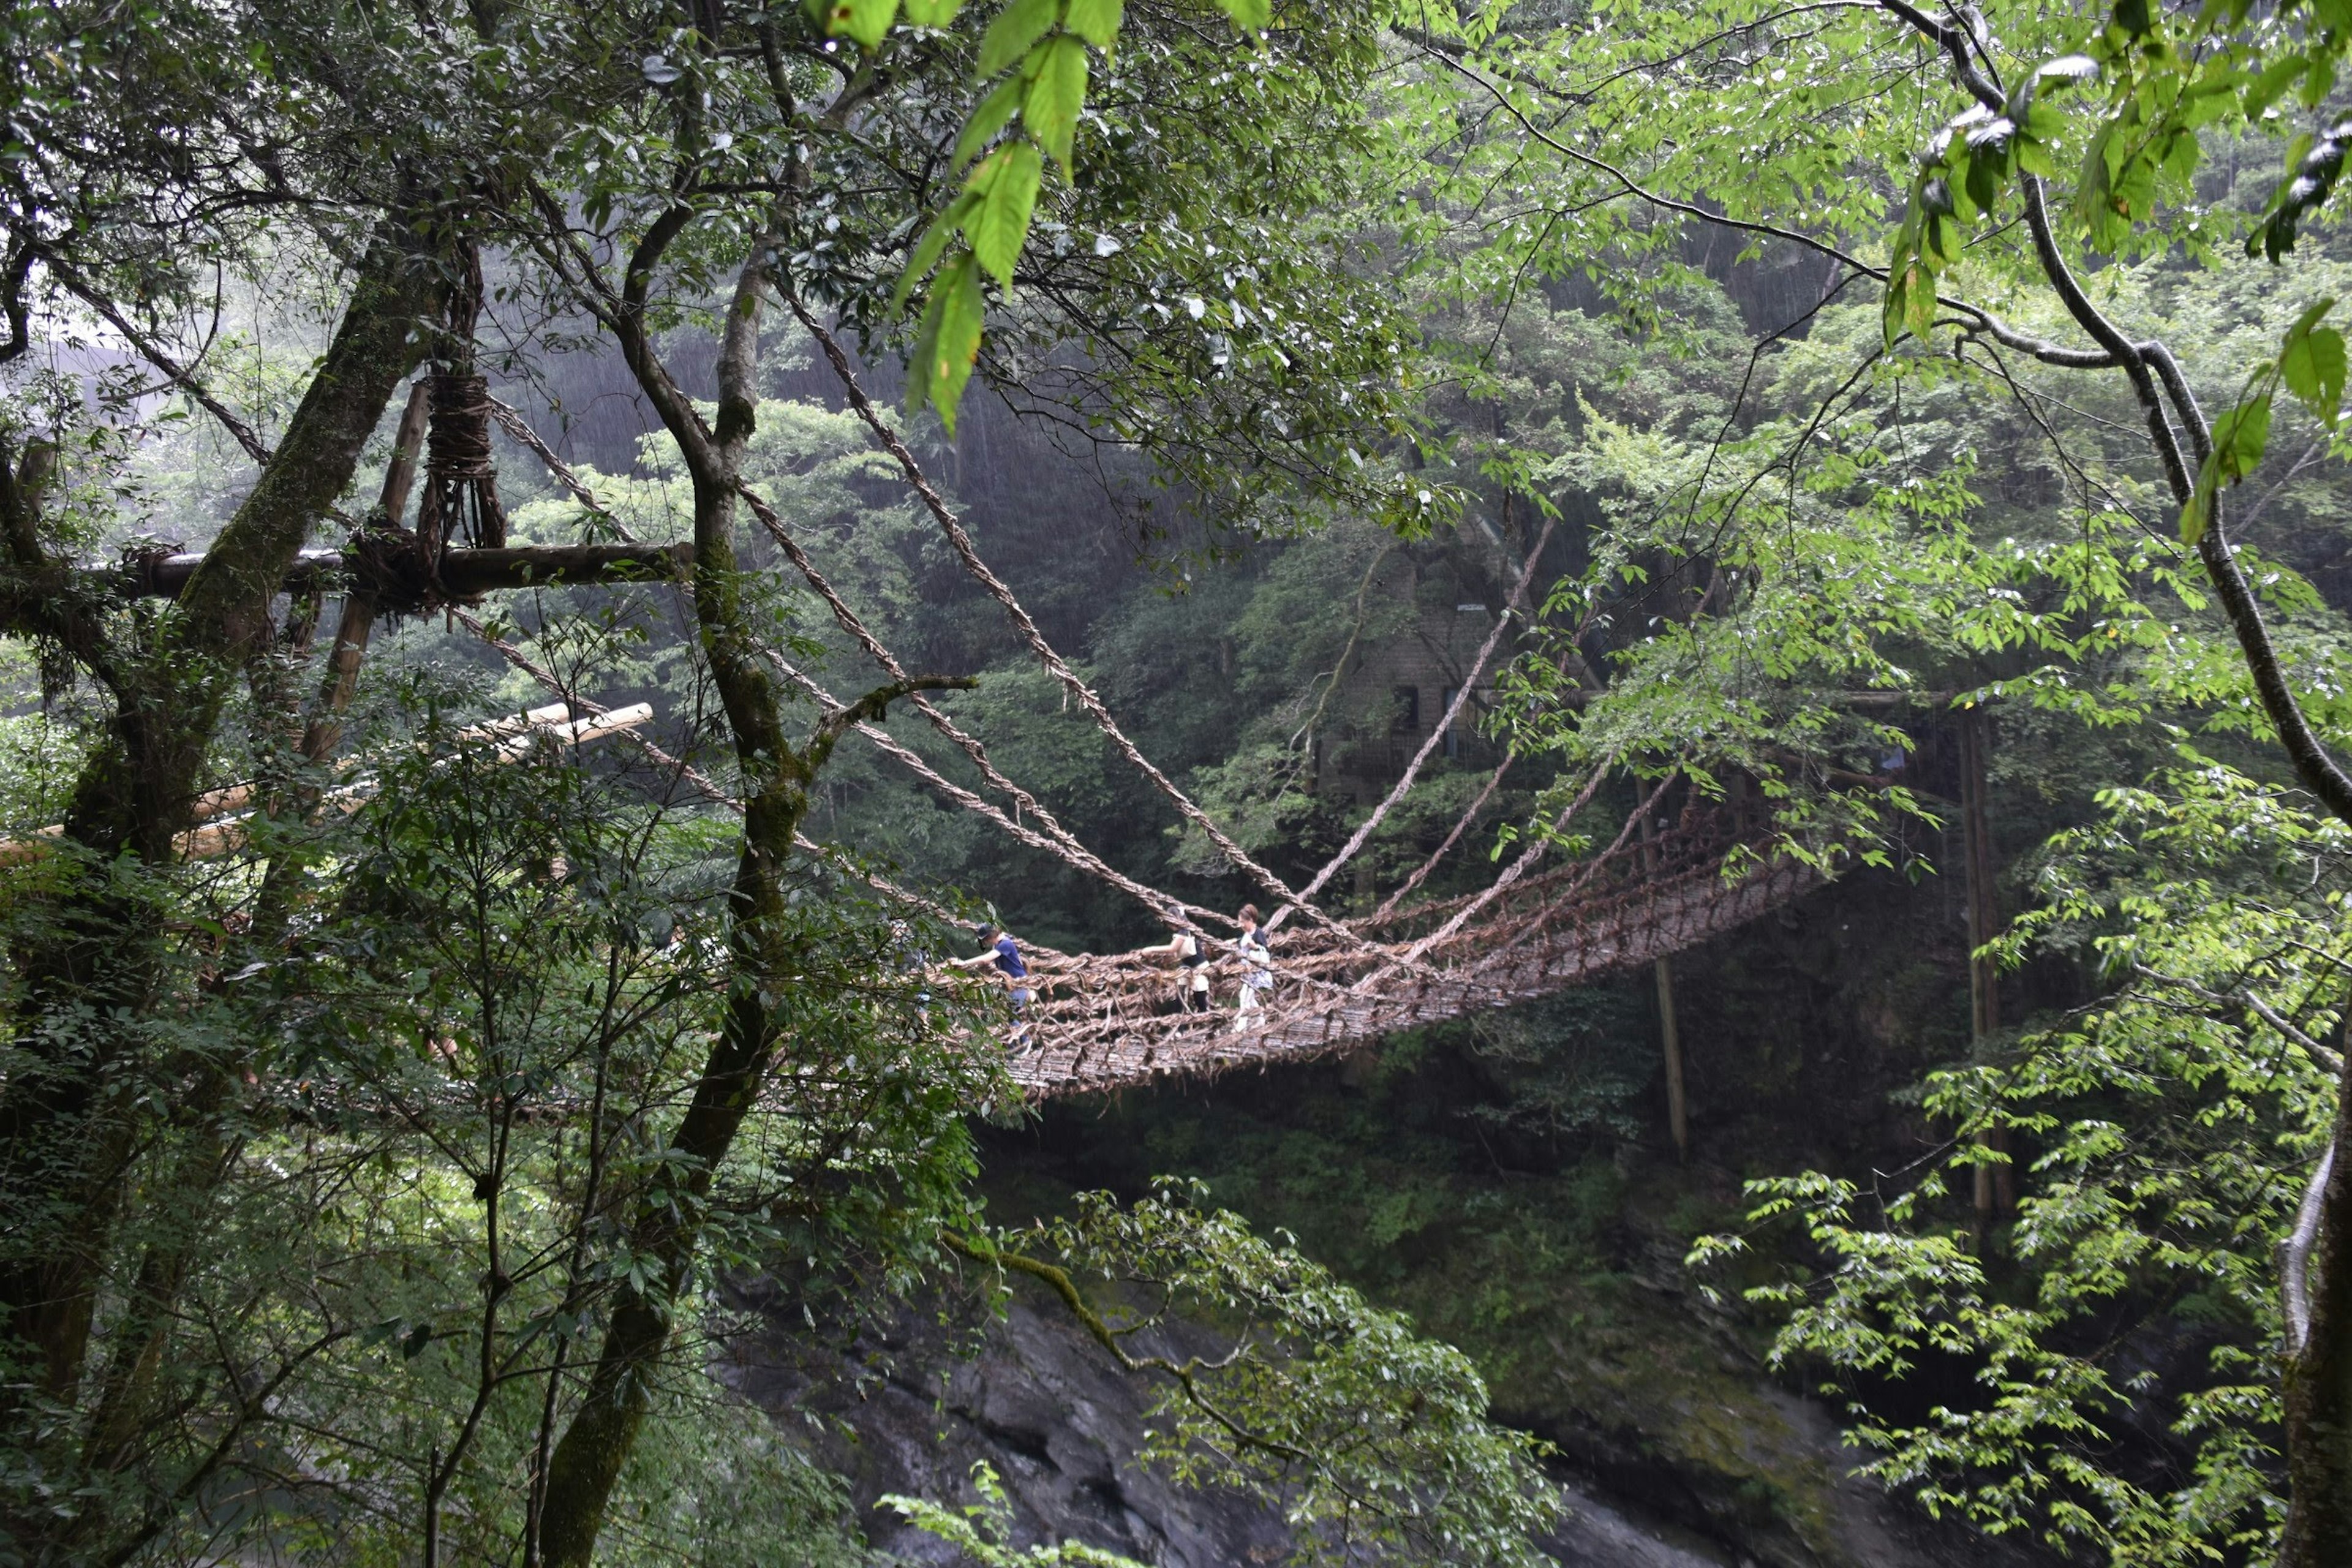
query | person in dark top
(1191,957)
(1005,954)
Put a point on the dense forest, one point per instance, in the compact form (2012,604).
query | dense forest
(1071,781)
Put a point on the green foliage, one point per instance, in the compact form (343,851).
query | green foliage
(982,1531)
(382,1163)
(1044,88)
(1375,1442)
(2173,1124)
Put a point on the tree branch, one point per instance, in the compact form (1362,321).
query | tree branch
(2294,1255)
(1184,1374)
(872,707)
(155,355)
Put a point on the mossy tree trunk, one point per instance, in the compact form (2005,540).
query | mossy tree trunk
(2317,1385)
(87,978)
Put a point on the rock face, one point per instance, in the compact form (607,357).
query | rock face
(911,1406)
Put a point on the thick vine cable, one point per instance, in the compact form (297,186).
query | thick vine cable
(1166,905)
(1445,725)
(1055,839)
(961,541)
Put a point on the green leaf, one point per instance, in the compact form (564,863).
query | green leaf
(2181,155)
(986,121)
(863,20)
(1901,272)
(935,240)
(1944,239)
(1017,27)
(2136,17)
(948,342)
(2318,82)
(1056,97)
(2199,510)
(2239,437)
(2311,362)
(2275,80)
(1919,301)
(1249,16)
(1960,183)
(2314,371)
(931,12)
(1006,185)
(1095,21)
(2044,123)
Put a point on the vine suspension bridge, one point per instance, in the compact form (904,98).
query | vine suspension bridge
(1101,1022)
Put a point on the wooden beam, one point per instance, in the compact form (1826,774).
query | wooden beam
(463,572)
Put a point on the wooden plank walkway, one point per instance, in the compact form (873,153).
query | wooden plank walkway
(1104,1022)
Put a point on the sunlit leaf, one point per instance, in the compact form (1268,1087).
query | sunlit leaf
(1015,30)
(1056,96)
(1095,21)
(986,120)
(947,344)
(998,225)
(864,20)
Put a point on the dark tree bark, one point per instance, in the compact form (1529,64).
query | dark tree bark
(2317,1385)
(86,983)
(597,1445)
(777,775)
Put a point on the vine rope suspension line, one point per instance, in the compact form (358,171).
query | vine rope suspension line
(1098,1024)
(679,768)
(1461,825)
(517,427)
(1165,905)
(1054,665)
(1389,905)
(1056,840)
(1070,846)
(1365,829)
(1534,852)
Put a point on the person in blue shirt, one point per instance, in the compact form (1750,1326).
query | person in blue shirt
(1005,954)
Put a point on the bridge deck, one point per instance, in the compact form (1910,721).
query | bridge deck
(1102,1022)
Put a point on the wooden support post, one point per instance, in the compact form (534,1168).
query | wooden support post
(1670,1038)
(1995,1185)
(358,620)
(1677,1105)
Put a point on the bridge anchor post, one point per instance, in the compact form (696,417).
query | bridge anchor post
(1670,1040)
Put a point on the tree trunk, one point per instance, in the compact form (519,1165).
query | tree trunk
(668,1221)
(85,986)
(2317,1383)
(1670,1040)
(1995,1187)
